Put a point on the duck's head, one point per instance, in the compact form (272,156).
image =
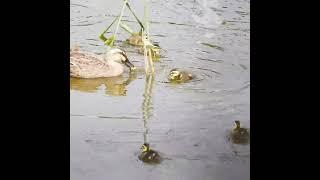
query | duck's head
(236,125)
(145,147)
(119,56)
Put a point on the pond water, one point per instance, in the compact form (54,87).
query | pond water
(188,123)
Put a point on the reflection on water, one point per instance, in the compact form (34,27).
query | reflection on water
(114,86)
(147,154)
(147,104)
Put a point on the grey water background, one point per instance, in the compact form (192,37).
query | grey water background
(187,123)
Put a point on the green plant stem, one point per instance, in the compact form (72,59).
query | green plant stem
(147,51)
(102,37)
(138,20)
(146,15)
(146,63)
(126,28)
(120,17)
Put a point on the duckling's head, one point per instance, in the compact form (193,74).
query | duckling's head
(236,125)
(119,56)
(145,147)
(175,74)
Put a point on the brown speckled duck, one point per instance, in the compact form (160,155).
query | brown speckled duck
(89,65)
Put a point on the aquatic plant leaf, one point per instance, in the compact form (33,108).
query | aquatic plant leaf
(102,37)
(110,41)
(126,28)
(138,20)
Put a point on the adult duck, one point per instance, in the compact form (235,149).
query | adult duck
(89,65)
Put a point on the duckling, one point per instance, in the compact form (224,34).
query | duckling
(148,155)
(155,52)
(179,76)
(89,65)
(135,39)
(239,135)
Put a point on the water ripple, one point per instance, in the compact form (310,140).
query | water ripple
(103,117)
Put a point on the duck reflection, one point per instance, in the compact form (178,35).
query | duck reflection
(115,86)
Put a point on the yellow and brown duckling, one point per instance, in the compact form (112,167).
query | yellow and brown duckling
(179,76)
(155,52)
(239,135)
(148,155)
(89,65)
(135,39)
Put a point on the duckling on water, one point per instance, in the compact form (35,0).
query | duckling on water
(155,52)
(135,39)
(239,135)
(89,65)
(148,155)
(179,76)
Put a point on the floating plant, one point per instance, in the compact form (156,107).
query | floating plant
(141,38)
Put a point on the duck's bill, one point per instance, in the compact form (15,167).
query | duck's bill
(129,65)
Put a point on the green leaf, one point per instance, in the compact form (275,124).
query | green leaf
(138,20)
(126,27)
(104,39)
(110,41)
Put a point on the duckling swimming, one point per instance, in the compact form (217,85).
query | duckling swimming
(148,155)
(89,65)
(179,76)
(155,52)
(135,39)
(239,135)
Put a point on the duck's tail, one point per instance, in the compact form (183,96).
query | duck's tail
(74,48)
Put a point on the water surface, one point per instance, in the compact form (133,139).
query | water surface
(186,123)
